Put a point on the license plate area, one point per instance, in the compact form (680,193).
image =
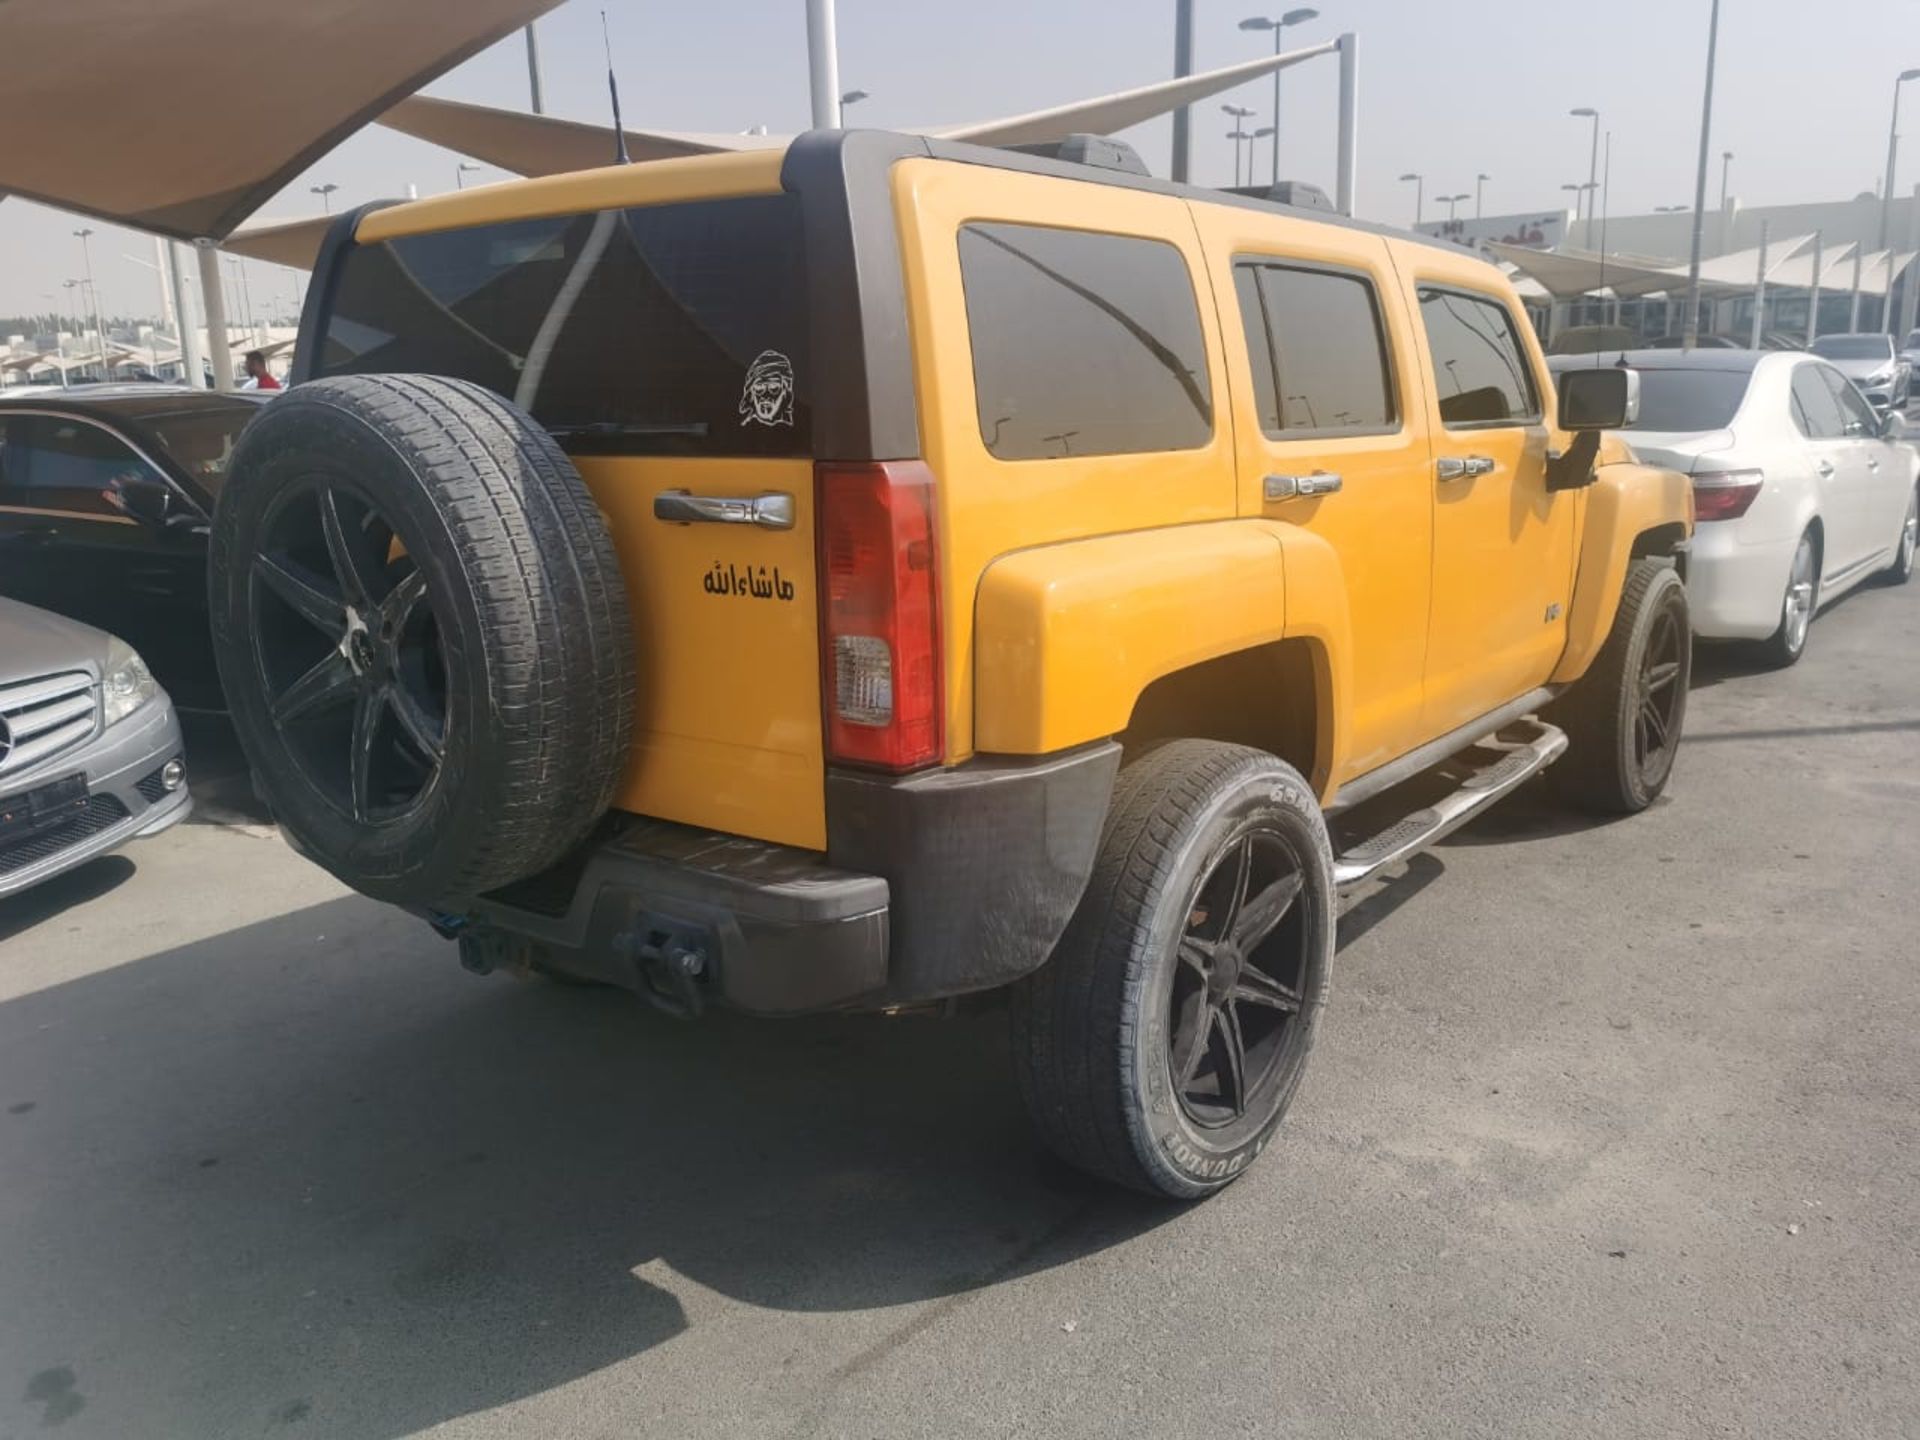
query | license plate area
(29,812)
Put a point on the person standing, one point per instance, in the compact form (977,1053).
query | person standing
(258,376)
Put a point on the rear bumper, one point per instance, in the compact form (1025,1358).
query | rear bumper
(933,885)
(1735,591)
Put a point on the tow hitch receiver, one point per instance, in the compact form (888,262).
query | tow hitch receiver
(671,960)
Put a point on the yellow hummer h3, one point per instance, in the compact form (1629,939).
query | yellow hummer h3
(886,570)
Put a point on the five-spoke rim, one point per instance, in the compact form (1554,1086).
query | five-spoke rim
(1797,610)
(1238,984)
(1655,720)
(347,650)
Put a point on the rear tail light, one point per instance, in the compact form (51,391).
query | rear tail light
(1725,494)
(880,614)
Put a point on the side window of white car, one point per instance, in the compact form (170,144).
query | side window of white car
(1857,417)
(1815,411)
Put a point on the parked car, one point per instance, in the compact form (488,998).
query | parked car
(1802,491)
(1769,340)
(104,499)
(1910,352)
(1872,363)
(958,601)
(90,753)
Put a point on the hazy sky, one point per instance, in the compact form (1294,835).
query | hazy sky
(1448,87)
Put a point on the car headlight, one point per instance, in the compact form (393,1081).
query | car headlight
(126,684)
(1880,377)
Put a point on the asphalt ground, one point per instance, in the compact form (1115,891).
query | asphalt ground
(1611,1131)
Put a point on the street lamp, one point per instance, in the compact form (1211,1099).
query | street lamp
(324,191)
(1893,146)
(853,97)
(1452,202)
(1726,170)
(1479,190)
(1419,196)
(1278,24)
(460,172)
(1240,114)
(1670,209)
(99,325)
(1265,132)
(1691,333)
(1587,112)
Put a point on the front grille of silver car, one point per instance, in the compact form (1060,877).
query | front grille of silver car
(42,718)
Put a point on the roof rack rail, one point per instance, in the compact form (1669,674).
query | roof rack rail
(1098,151)
(1297,193)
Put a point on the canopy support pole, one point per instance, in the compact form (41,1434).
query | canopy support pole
(1760,289)
(1813,299)
(192,368)
(1853,315)
(823,64)
(213,303)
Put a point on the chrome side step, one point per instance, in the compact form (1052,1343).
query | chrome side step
(1491,769)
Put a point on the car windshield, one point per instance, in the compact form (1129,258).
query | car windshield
(1854,347)
(200,441)
(1683,400)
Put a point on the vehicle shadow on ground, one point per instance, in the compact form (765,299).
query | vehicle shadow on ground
(309,1171)
(50,898)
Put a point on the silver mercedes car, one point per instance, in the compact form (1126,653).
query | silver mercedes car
(90,751)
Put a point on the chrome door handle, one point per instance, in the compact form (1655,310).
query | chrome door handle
(773,511)
(1462,467)
(1287,487)
(1825,467)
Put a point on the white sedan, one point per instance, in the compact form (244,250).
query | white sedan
(1801,489)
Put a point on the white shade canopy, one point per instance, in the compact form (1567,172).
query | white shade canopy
(290,82)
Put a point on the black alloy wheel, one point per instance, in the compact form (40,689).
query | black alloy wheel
(1237,989)
(348,653)
(1656,723)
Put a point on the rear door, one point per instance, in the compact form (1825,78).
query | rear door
(1838,461)
(665,345)
(1874,482)
(1329,437)
(1502,544)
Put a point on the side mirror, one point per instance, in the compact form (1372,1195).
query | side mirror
(1897,426)
(148,501)
(1604,398)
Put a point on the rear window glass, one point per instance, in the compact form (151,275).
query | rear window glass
(1083,343)
(1854,347)
(669,329)
(1319,357)
(1690,399)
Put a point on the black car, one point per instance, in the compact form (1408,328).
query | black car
(105,495)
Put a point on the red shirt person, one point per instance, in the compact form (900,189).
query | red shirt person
(258,376)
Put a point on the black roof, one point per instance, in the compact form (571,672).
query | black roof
(1736,362)
(137,402)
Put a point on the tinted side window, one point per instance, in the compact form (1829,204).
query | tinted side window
(1815,410)
(669,329)
(1083,343)
(1854,408)
(1325,368)
(1480,367)
(58,464)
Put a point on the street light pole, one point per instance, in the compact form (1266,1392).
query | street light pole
(1726,172)
(1419,196)
(324,192)
(1182,65)
(460,173)
(99,324)
(1587,112)
(533,71)
(1691,336)
(1240,114)
(1893,147)
(823,64)
(1479,193)
(1278,25)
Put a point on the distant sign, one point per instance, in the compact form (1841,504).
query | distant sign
(1535,229)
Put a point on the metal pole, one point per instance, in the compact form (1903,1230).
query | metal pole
(1692,333)
(1182,65)
(1910,301)
(1760,289)
(1346,167)
(823,64)
(190,353)
(1279,29)
(1479,194)
(1893,149)
(214,301)
(1813,298)
(160,271)
(533,71)
(99,324)
(1593,176)
(1853,314)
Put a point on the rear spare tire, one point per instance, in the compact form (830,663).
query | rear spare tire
(422,634)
